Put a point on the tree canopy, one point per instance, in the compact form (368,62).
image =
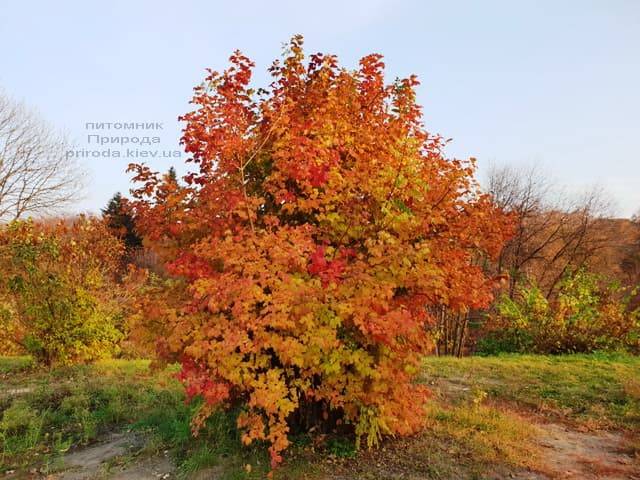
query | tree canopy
(317,223)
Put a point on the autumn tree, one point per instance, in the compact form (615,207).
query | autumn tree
(631,256)
(631,262)
(58,293)
(318,221)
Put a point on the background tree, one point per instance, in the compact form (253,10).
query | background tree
(121,222)
(37,176)
(318,222)
(59,280)
(172,175)
(555,234)
(631,256)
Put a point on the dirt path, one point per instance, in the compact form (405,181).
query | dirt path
(568,454)
(571,454)
(116,458)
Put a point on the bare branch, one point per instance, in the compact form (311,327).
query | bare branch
(555,233)
(37,177)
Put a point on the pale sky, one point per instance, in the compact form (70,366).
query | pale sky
(512,82)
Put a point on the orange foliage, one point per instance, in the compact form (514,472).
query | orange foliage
(318,223)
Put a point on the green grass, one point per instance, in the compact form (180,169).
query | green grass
(471,428)
(44,414)
(600,390)
(51,411)
(12,365)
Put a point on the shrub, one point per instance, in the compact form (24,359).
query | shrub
(589,314)
(318,223)
(9,328)
(60,279)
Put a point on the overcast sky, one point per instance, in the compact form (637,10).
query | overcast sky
(551,82)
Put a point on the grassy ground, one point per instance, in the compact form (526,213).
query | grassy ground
(478,424)
(46,413)
(593,391)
